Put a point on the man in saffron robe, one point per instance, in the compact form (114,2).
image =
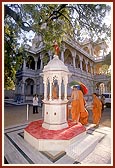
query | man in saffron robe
(84,115)
(97,107)
(77,104)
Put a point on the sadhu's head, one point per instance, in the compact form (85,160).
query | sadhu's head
(95,95)
(74,87)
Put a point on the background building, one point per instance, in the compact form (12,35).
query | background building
(83,61)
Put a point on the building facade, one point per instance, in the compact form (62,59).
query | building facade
(83,61)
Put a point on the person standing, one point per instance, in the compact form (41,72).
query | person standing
(35,104)
(96,109)
(77,104)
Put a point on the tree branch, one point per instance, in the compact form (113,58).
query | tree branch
(17,18)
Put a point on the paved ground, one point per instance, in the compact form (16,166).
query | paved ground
(16,119)
(14,115)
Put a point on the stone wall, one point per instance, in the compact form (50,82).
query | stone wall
(9,94)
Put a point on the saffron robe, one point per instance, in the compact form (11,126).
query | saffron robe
(81,101)
(97,107)
(75,110)
(84,117)
(77,106)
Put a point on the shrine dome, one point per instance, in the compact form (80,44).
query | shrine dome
(55,65)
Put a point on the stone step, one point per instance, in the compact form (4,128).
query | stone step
(80,149)
(12,155)
(27,154)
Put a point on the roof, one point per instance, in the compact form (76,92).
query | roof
(55,65)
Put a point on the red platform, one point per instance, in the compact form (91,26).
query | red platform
(36,130)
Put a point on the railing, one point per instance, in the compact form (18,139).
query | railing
(29,72)
(78,71)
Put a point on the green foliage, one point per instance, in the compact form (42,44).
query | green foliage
(12,56)
(107,59)
(69,19)
(59,20)
(45,59)
(105,69)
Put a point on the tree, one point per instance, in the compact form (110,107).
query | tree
(12,56)
(106,65)
(53,21)
(107,59)
(76,16)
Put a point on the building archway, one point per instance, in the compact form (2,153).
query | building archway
(39,63)
(30,63)
(68,59)
(29,89)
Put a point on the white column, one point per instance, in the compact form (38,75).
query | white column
(59,89)
(36,60)
(62,55)
(86,66)
(91,69)
(94,70)
(27,110)
(74,62)
(35,65)
(62,51)
(24,64)
(45,91)
(65,94)
(81,59)
(65,89)
(22,88)
(81,65)
(92,53)
(50,96)
(106,89)
(41,65)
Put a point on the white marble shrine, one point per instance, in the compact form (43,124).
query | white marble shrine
(55,109)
